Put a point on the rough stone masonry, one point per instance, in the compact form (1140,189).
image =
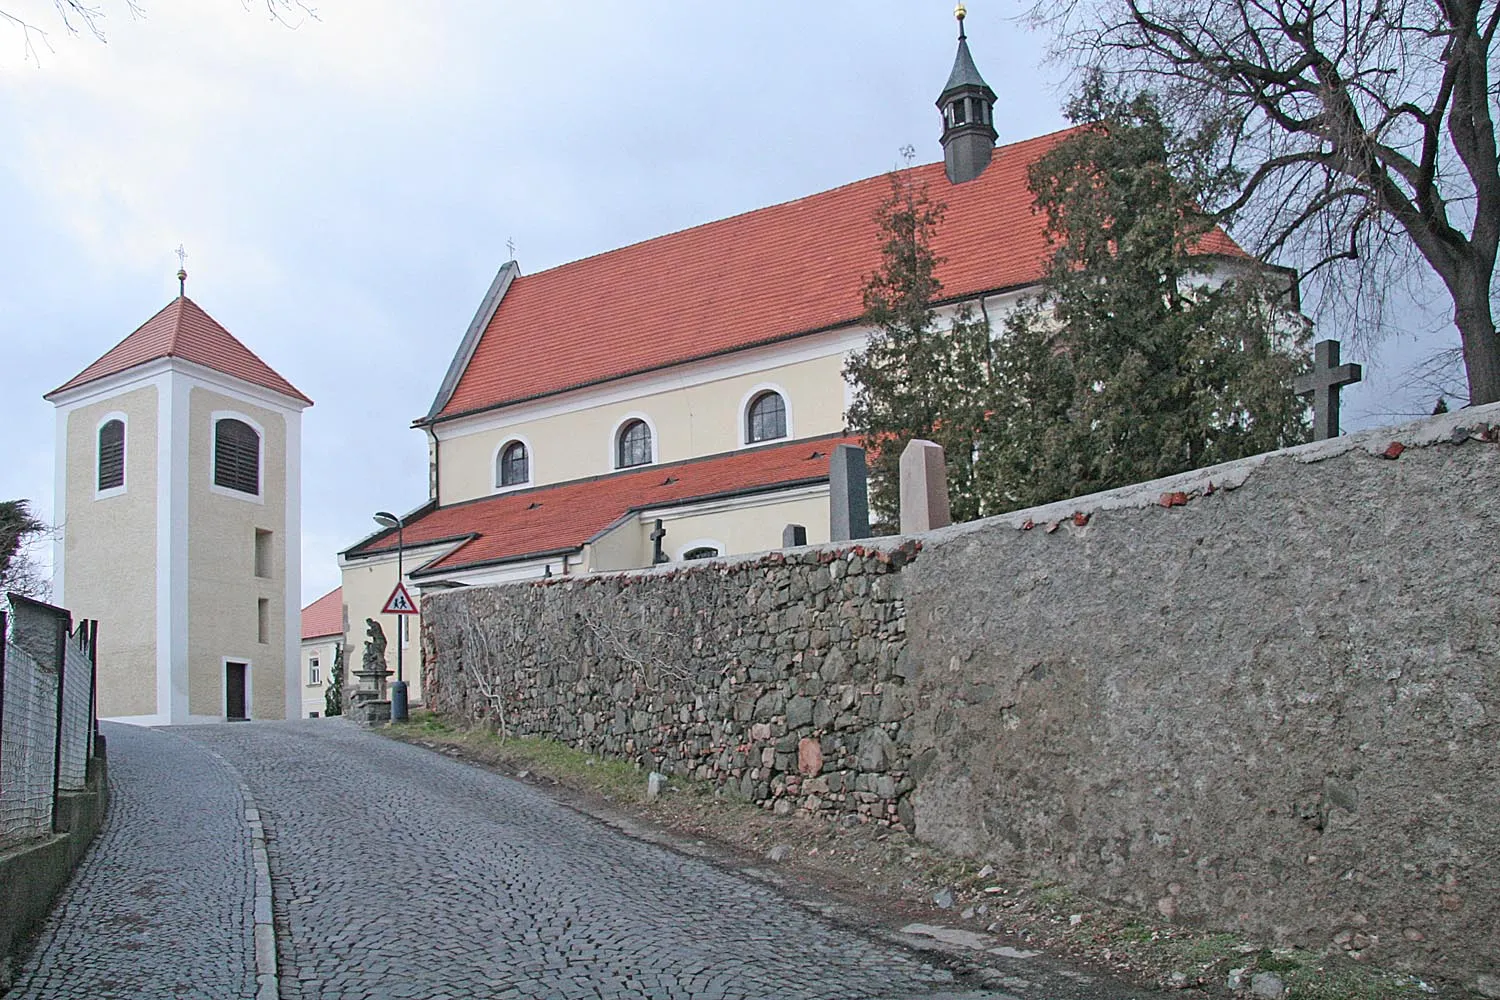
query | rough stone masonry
(781,678)
(1262,696)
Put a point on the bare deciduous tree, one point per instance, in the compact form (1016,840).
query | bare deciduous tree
(1357,137)
(79,16)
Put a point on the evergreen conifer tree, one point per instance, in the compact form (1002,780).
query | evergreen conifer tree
(1139,357)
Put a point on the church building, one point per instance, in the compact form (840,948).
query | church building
(178,497)
(680,398)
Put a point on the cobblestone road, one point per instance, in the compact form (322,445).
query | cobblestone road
(162,904)
(400,873)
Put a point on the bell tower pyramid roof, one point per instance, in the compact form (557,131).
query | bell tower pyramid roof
(183,330)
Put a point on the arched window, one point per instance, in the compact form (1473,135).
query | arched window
(236,456)
(765,420)
(112,455)
(514,466)
(701,552)
(634,445)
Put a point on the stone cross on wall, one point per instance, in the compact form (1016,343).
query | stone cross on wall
(924,487)
(657,534)
(1327,378)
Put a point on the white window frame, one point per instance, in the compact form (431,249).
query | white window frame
(213,456)
(509,440)
(614,442)
(744,417)
(313,677)
(113,491)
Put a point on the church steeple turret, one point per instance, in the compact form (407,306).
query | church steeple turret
(968,107)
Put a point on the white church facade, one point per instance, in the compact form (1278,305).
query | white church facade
(178,482)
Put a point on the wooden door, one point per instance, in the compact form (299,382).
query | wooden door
(235,703)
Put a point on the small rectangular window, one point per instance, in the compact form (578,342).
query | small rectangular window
(262,554)
(263,620)
(312,670)
(312,715)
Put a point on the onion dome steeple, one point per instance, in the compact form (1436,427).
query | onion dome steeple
(968,107)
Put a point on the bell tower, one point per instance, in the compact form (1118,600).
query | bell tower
(968,107)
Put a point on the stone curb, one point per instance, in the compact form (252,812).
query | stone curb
(268,984)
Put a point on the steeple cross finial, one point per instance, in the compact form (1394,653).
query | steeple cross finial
(181,270)
(511,246)
(1327,378)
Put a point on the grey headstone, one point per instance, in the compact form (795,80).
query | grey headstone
(848,494)
(793,535)
(924,487)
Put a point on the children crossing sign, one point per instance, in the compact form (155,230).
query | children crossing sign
(400,602)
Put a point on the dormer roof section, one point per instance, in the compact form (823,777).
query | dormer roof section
(183,330)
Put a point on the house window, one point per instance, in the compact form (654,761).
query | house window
(701,552)
(112,455)
(262,554)
(515,465)
(766,418)
(237,456)
(262,620)
(634,445)
(312,670)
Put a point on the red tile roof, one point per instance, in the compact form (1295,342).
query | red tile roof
(325,616)
(562,517)
(763,276)
(183,330)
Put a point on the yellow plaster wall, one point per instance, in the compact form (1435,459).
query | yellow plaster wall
(223,588)
(690,422)
(109,550)
(740,531)
(367,584)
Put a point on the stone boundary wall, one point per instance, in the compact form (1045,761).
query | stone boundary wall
(1262,696)
(781,679)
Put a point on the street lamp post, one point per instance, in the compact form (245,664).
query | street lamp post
(398,689)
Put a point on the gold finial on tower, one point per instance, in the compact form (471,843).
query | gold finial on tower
(961,12)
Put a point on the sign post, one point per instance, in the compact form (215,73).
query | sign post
(399,603)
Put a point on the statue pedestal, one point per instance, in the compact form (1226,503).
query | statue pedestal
(366,709)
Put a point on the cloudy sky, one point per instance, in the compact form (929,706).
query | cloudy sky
(345,187)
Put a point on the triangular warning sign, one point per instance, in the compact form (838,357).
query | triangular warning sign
(400,602)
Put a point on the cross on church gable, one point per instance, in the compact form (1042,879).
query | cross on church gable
(1328,377)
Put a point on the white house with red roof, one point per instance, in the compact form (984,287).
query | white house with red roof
(322,638)
(179,500)
(694,380)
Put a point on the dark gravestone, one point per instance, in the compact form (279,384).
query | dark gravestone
(848,494)
(1327,378)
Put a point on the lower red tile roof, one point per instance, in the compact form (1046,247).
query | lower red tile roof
(325,616)
(183,330)
(562,517)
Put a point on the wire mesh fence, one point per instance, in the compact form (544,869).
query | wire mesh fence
(77,713)
(28,745)
(47,715)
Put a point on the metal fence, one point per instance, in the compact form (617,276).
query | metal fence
(48,721)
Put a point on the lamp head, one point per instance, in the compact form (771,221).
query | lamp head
(387,520)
